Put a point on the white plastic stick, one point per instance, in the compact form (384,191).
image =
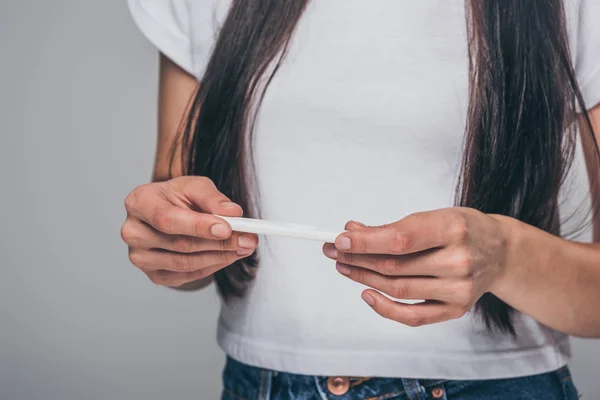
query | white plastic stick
(262,227)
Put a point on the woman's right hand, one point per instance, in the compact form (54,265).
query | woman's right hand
(173,236)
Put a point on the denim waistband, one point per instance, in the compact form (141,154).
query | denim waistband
(244,382)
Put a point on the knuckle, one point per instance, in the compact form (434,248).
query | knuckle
(360,243)
(225,244)
(204,181)
(459,227)
(348,258)
(385,310)
(180,262)
(131,200)
(153,278)
(128,232)
(389,266)
(415,321)
(401,289)
(136,258)
(463,262)
(217,259)
(183,244)
(402,242)
(225,257)
(199,227)
(382,266)
(357,274)
(163,220)
(157,278)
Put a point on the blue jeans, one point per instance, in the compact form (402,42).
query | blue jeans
(243,382)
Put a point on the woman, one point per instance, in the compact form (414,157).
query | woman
(445,127)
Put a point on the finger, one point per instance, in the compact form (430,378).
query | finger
(409,314)
(152,260)
(434,262)
(156,207)
(239,242)
(205,196)
(177,279)
(406,288)
(138,234)
(174,220)
(354,225)
(415,233)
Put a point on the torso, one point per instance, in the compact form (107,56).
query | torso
(364,121)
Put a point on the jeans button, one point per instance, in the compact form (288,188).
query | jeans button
(338,385)
(437,393)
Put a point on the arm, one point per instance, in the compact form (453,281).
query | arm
(591,158)
(556,281)
(451,257)
(171,229)
(175,90)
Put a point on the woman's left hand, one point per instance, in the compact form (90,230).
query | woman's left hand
(448,257)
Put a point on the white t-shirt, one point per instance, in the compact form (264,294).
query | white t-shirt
(364,121)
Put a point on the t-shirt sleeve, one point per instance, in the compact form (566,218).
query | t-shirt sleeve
(165,23)
(587,56)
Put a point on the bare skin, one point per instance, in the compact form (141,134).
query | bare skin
(170,230)
(449,257)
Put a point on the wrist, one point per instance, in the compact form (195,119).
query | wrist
(527,248)
(514,241)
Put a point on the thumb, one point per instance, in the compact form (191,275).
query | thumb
(202,193)
(354,225)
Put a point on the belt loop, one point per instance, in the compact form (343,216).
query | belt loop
(414,390)
(266,378)
(321,389)
(563,373)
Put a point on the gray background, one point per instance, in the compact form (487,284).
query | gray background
(77,133)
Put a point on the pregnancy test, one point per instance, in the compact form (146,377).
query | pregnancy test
(263,227)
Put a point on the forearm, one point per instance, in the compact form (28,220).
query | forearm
(555,281)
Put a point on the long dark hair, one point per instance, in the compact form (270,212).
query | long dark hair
(520,130)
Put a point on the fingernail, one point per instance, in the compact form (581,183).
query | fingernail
(331,252)
(368,299)
(343,243)
(358,223)
(244,252)
(247,241)
(229,204)
(219,231)
(343,269)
